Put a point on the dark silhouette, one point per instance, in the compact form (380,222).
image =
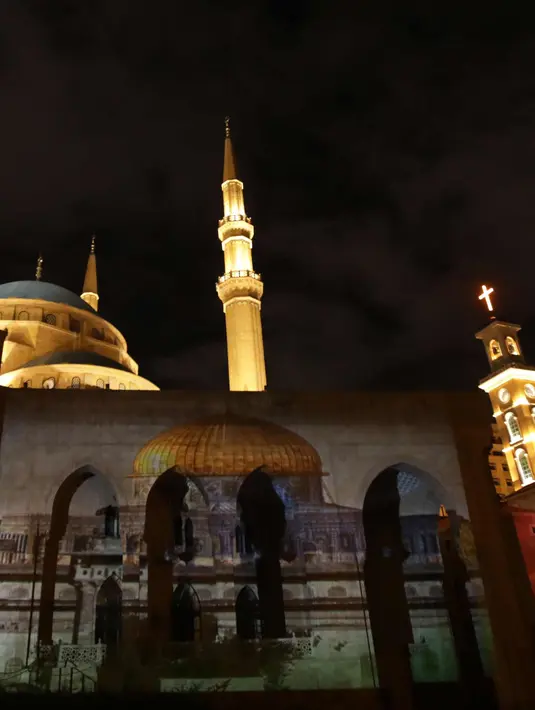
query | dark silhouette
(111,520)
(247,615)
(264,524)
(185,614)
(108,620)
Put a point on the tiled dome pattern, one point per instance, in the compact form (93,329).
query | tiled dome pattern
(226,446)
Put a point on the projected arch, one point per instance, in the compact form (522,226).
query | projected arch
(82,493)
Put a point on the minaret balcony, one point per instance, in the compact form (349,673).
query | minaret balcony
(239,284)
(238,275)
(235,226)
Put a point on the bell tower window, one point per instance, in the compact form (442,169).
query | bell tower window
(495,350)
(512,347)
(513,427)
(524,466)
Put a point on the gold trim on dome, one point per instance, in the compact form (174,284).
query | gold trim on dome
(228,446)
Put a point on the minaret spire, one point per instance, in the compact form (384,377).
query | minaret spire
(90,290)
(240,288)
(229,163)
(39,268)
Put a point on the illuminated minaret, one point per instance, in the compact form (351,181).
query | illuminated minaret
(240,288)
(90,290)
(511,388)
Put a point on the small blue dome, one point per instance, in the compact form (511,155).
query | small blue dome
(43,291)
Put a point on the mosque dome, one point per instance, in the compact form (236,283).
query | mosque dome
(42,291)
(228,445)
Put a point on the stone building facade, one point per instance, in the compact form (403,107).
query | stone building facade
(77,472)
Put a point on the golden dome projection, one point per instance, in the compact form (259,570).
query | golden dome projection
(228,445)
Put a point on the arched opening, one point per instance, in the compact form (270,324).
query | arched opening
(185,615)
(405,547)
(495,350)
(523,465)
(511,344)
(108,618)
(76,524)
(513,427)
(170,536)
(248,624)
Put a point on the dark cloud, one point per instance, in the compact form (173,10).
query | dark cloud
(388,155)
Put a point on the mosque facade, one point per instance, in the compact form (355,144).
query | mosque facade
(240,540)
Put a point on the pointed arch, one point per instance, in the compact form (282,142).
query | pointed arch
(185,614)
(58,526)
(247,607)
(108,617)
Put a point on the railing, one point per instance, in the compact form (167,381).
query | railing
(239,274)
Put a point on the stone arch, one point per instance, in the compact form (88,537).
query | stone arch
(58,525)
(418,469)
(404,502)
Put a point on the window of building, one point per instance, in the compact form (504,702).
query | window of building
(492,466)
(524,466)
(512,347)
(495,349)
(49,383)
(76,382)
(50,318)
(509,483)
(122,386)
(97,334)
(505,467)
(496,481)
(513,427)
(24,315)
(100,384)
(74,325)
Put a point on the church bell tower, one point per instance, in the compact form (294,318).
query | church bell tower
(511,388)
(240,288)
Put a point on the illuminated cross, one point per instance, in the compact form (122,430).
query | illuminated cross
(485,295)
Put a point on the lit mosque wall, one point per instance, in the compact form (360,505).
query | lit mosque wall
(164,558)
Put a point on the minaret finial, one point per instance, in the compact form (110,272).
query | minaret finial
(227,126)
(93,238)
(39,268)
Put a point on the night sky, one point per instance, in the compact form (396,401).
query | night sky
(388,156)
